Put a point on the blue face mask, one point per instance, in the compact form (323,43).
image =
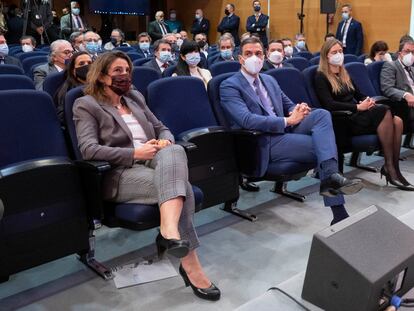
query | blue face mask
(301,45)
(345,16)
(4,49)
(75,11)
(192,59)
(144,46)
(92,47)
(165,56)
(226,54)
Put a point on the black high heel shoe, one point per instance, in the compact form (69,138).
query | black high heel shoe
(394,182)
(174,247)
(211,293)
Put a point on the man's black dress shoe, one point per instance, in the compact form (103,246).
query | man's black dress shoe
(211,293)
(338,184)
(174,247)
(249,186)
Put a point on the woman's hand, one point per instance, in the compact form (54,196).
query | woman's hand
(147,151)
(366,104)
(162,143)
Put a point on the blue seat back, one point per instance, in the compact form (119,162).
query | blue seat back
(224,67)
(359,75)
(23,56)
(124,49)
(169,71)
(305,54)
(300,63)
(350,58)
(141,61)
(70,98)
(211,58)
(28,63)
(292,84)
(213,89)
(45,49)
(181,103)
(361,58)
(142,77)
(316,54)
(315,61)
(53,82)
(309,78)
(29,127)
(11,69)
(374,72)
(14,50)
(134,56)
(15,82)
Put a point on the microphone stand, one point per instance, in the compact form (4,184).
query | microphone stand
(301,16)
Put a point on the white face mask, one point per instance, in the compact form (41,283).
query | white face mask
(336,59)
(288,51)
(253,64)
(180,42)
(27,48)
(4,49)
(276,57)
(408,60)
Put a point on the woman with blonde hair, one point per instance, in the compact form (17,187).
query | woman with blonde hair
(114,124)
(336,91)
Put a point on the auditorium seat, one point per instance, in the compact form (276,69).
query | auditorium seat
(125,49)
(169,71)
(299,63)
(374,72)
(182,104)
(125,215)
(11,69)
(53,82)
(224,67)
(345,142)
(15,49)
(141,61)
(252,160)
(142,77)
(305,54)
(134,56)
(15,82)
(350,58)
(45,213)
(23,56)
(314,61)
(361,58)
(28,63)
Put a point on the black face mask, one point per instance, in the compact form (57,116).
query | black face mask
(227,12)
(121,84)
(114,41)
(82,72)
(201,44)
(257,8)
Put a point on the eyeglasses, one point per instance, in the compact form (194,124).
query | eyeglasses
(408,51)
(67,52)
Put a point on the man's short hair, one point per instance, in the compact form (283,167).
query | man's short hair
(121,33)
(233,6)
(74,36)
(298,35)
(402,44)
(406,37)
(287,39)
(277,41)
(33,40)
(251,40)
(159,42)
(254,1)
(347,5)
(227,37)
(144,34)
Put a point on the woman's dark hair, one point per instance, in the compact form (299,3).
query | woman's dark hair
(70,82)
(378,46)
(187,47)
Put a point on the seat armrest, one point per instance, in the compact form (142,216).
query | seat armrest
(33,164)
(251,133)
(188,146)
(189,135)
(97,166)
(341,113)
(380,99)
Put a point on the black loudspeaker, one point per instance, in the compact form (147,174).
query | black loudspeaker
(328,6)
(359,262)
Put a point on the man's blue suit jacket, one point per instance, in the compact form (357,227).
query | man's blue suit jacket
(354,37)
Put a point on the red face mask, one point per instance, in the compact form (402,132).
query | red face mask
(121,84)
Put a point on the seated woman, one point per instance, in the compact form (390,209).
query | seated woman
(188,62)
(114,124)
(336,91)
(75,75)
(378,52)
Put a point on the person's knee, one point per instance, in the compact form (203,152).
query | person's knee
(177,150)
(323,115)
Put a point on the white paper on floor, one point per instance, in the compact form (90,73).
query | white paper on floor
(143,272)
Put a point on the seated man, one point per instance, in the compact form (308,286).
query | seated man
(92,40)
(162,53)
(287,42)
(397,83)
(226,47)
(28,43)
(255,102)
(175,49)
(117,40)
(144,48)
(300,44)
(276,56)
(4,54)
(76,39)
(60,52)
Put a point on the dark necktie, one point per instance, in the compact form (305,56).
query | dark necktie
(343,29)
(163,29)
(410,72)
(264,100)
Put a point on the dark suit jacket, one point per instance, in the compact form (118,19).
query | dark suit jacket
(394,82)
(258,27)
(103,134)
(200,27)
(141,53)
(40,73)
(267,65)
(15,26)
(10,60)
(65,25)
(154,30)
(154,65)
(354,37)
(230,24)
